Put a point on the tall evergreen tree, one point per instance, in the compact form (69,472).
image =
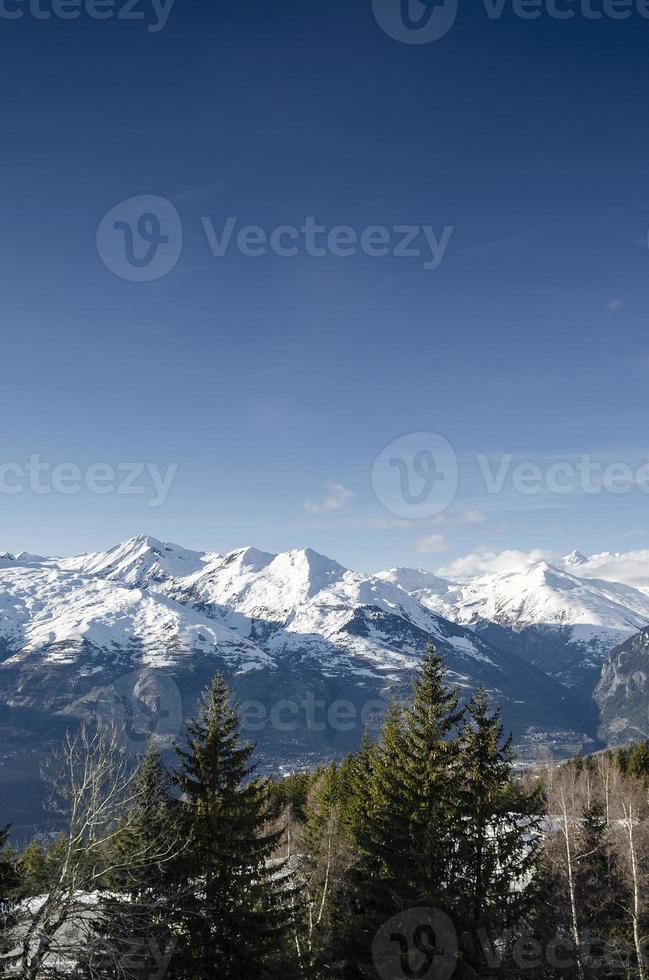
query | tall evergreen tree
(497,854)
(355,781)
(406,834)
(599,892)
(234,909)
(638,761)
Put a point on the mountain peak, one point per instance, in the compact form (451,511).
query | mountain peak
(139,559)
(248,557)
(574,558)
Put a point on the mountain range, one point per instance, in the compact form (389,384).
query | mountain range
(313,650)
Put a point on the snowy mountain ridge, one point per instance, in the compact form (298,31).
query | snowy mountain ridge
(301,591)
(155,592)
(144,625)
(550,612)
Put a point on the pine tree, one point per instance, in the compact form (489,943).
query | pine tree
(497,856)
(234,909)
(34,870)
(622,760)
(599,889)
(638,761)
(407,833)
(355,781)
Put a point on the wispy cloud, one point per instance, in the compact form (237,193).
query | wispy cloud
(614,305)
(433,544)
(336,497)
(483,561)
(472,516)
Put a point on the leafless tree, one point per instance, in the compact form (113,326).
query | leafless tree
(325,855)
(565,806)
(630,838)
(94,788)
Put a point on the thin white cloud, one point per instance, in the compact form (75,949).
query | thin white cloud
(336,497)
(630,568)
(433,544)
(483,561)
(472,516)
(614,305)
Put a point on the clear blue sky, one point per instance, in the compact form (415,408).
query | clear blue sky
(268,378)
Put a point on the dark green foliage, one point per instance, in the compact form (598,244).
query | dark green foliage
(296,878)
(291,793)
(638,761)
(498,849)
(34,869)
(234,909)
(405,826)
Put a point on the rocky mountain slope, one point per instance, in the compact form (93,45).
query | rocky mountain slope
(623,692)
(312,649)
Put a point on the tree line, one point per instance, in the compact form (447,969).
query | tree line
(425,854)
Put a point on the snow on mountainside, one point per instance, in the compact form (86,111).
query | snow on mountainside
(67,618)
(299,603)
(145,625)
(546,594)
(537,593)
(631,568)
(141,560)
(148,604)
(563,622)
(438,594)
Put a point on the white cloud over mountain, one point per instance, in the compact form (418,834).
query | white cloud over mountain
(336,497)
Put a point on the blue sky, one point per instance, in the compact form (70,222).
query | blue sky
(274,382)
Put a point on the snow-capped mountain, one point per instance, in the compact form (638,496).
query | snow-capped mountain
(146,624)
(248,609)
(140,561)
(548,613)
